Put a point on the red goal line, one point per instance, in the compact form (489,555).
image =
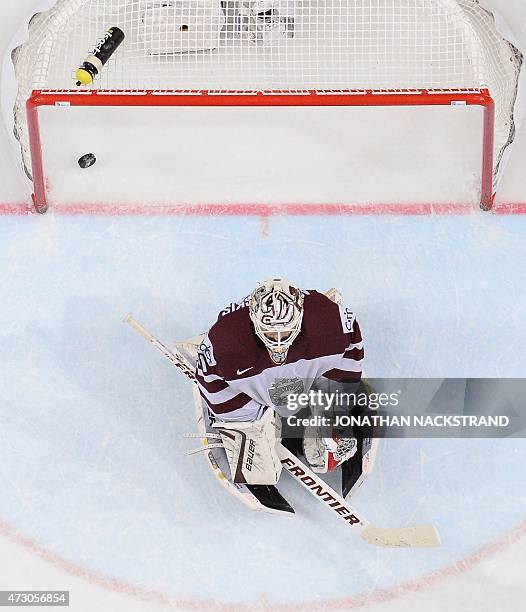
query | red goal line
(267,210)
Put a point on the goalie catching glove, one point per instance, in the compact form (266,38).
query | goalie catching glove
(324,454)
(327,447)
(326,450)
(251,449)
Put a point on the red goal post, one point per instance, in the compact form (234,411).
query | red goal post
(202,98)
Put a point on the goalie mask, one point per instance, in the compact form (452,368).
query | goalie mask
(276,311)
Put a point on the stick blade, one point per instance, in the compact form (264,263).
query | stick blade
(419,536)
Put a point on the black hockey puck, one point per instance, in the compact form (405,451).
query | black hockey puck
(87,160)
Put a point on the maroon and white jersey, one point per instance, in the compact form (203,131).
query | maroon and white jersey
(238,379)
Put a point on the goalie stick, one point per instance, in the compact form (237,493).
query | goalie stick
(177,360)
(418,536)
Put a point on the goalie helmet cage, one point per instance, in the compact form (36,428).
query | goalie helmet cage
(329,53)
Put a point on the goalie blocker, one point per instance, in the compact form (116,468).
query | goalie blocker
(326,448)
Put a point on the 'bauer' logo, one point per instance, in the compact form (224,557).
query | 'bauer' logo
(250,455)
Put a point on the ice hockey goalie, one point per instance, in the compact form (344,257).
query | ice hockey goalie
(277,341)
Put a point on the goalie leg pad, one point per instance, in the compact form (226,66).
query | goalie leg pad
(251,449)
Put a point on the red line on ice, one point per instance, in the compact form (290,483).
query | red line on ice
(268,210)
(347,603)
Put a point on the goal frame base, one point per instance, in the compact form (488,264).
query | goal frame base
(336,98)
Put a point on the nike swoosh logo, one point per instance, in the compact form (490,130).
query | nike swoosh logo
(239,372)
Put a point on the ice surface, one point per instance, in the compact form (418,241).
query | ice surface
(93,418)
(96,495)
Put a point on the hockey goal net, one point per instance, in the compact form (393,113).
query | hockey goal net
(270,52)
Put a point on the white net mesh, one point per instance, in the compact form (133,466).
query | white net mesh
(284,45)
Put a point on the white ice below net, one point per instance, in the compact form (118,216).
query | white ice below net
(276,155)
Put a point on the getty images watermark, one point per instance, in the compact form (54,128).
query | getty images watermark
(334,410)
(330,401)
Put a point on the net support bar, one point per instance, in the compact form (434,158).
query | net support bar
(380,98)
